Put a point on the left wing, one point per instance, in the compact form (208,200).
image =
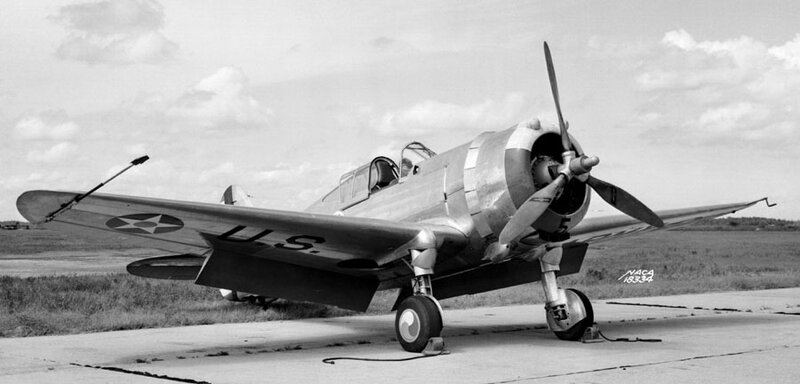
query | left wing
(519,270)
(296,255)
(606,228)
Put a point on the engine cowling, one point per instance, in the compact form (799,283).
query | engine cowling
(504,169)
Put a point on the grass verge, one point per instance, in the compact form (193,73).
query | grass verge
(682,262)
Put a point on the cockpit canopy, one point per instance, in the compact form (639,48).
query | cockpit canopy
(380,173)
(356,185)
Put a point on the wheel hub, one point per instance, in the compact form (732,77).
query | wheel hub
(409,325)
(563,317)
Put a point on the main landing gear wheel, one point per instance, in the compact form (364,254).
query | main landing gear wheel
(581,316)
(417,320)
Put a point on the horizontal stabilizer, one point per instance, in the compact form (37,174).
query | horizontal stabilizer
(176,267)
(270,278)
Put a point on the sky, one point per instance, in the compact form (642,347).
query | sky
(686,103)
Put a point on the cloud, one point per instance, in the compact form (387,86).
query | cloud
(135,149)
(390,45)
(431,117)
(789,53)
(115,32)
(725,120)
(283,185)
(51,125)
(285,172)
(222,170)
(738,91)
(220,99)
(56,152)
(680,39)
(382,42)
(293,185)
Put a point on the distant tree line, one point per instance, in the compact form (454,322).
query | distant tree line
(742,224)
(12,225)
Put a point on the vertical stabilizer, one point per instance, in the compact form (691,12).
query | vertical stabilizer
(235,195)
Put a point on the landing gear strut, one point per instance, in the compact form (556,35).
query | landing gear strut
(419,317)
(568,312)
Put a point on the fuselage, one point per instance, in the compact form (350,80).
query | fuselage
(475,187)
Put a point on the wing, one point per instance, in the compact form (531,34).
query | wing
(607,228)
(301,256)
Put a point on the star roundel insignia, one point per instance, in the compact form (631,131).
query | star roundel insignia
(145,223)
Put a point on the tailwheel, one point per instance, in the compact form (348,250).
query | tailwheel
(579,316)
(418,319)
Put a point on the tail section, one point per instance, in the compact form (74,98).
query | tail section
(235,195)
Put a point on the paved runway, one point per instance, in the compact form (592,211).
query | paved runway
(720,337)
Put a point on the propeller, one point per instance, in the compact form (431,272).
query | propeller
(624,201)
(551,73)
(531,209)
(571,166)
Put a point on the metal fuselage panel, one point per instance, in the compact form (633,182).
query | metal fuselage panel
(419,197)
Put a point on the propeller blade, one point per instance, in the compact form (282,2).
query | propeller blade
(551,72)
(624,201)
(530,211)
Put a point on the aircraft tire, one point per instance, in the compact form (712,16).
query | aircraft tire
(577,330)
(417,320)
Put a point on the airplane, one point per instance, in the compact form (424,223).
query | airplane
(503,209)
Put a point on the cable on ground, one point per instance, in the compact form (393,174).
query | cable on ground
(628,340)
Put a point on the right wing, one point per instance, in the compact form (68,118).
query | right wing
(193,228)
(327,259)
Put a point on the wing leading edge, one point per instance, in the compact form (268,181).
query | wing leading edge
(606,228)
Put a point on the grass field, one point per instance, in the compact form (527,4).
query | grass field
(682,262)
(27,242)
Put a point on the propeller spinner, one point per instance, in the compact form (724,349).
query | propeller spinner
(570,167)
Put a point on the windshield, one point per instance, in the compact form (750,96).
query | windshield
(413,153)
